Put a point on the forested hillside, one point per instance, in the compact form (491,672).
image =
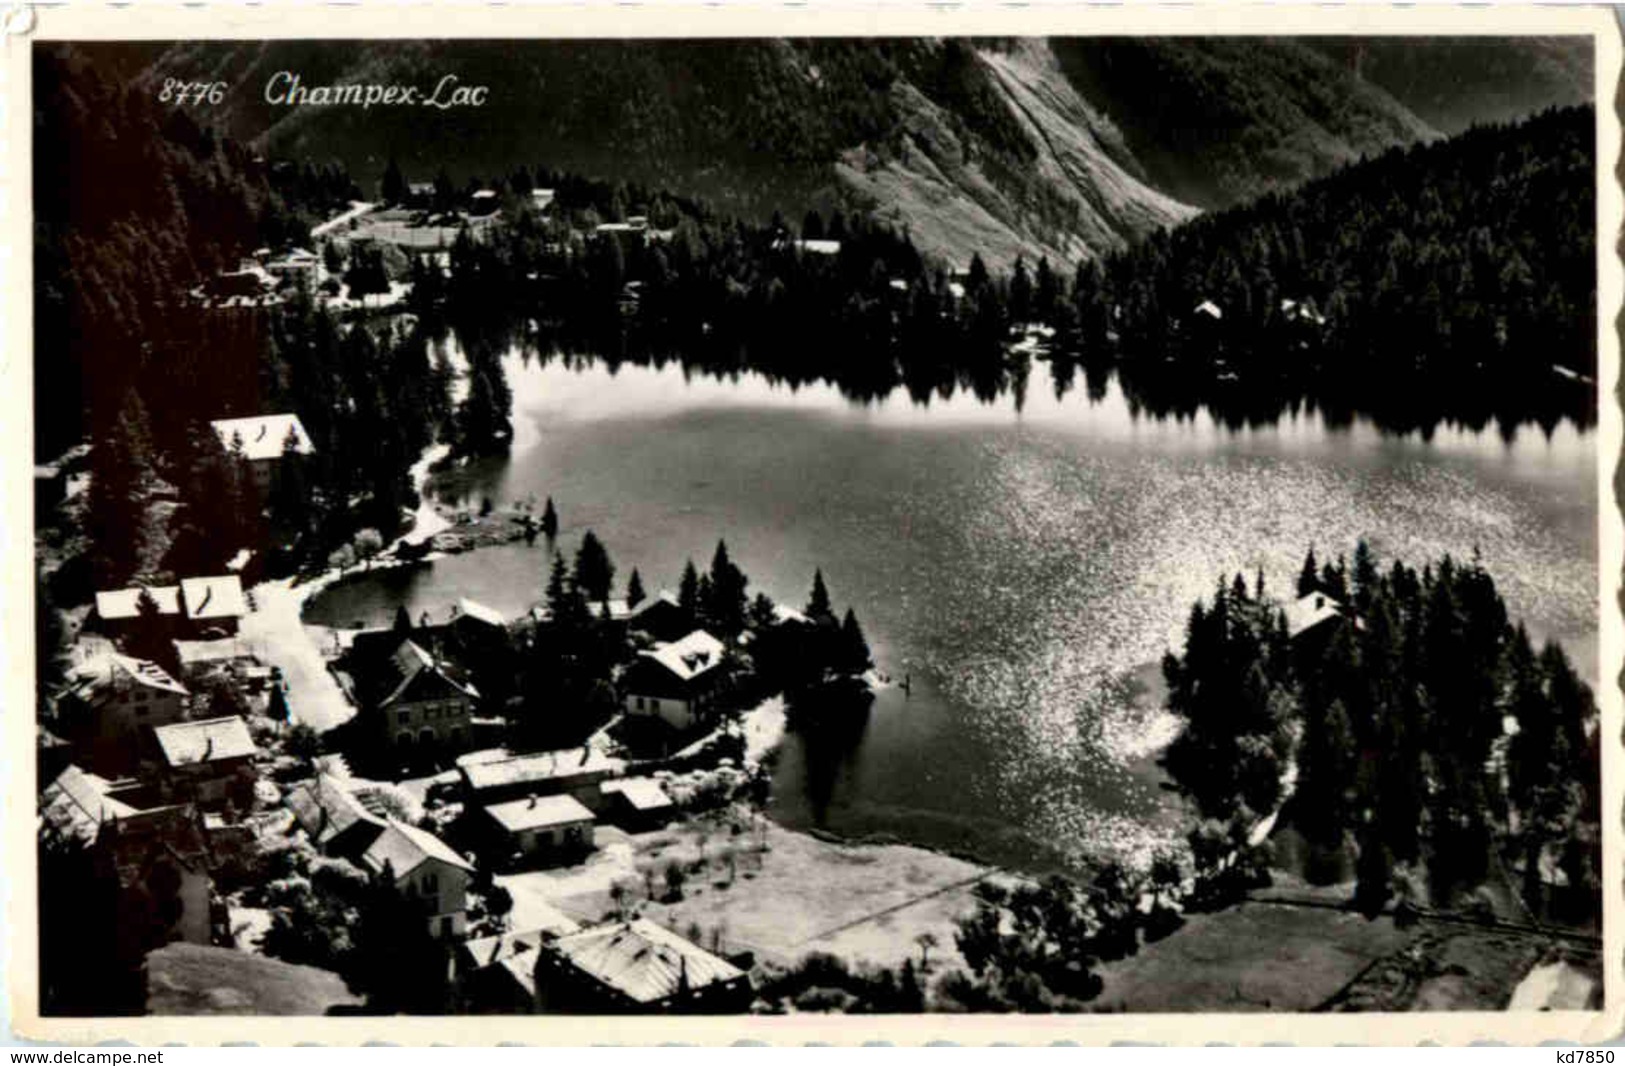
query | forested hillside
(125,358)
(1453,82)
(1417,727)
(1457,278)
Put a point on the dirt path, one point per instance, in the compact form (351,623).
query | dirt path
(886,912)
(277,630)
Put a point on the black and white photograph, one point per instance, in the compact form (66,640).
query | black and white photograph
(787,527)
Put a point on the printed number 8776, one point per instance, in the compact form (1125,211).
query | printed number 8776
(191,92)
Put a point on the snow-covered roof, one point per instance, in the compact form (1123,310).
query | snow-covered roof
(818,247)
(643,793)
(539,812)
(480,612)
(695,654)
(209,740)
(1209,308)
(263,435)
(534,769)
(116,604)
(1307,612)
(214,597)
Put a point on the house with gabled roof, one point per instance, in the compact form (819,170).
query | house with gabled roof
(538,830)
(676,682)
(426,870)
(197,607)
(113,700)
(157,854)
(208,762)
(636,967)
(661,617)
(333,818)
(422,704)
(262,440)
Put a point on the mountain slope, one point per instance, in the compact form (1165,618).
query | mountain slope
(1066,147)
(1454,82)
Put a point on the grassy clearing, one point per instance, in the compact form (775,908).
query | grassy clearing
(866,903)
(1252,957)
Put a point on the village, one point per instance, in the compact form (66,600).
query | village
(265,794)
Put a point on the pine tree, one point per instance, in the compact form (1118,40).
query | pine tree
(594,572)
(634,590)
(818,605)
(550,520)
(403,620)
(688,590)
(728,600)
(1309,578)
(558,587)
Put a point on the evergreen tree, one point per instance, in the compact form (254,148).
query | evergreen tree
(403,621)
(1309,577)
(728,600)
(634,590)
(818,606)
(550,520)
(855,657)
(688,590)
(594,573)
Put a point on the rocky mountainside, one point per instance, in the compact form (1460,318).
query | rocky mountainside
(1063,147)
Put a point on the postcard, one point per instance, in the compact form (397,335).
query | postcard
(813,524)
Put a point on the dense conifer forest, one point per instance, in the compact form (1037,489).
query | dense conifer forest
(1417,733)
(1452,282)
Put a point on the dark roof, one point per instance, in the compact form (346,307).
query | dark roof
(384,679)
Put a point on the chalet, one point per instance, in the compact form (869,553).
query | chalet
(334,820)
(638,804)
(119,609)
(77,803)
(578,772)
(636,967)
(476,625)
(207,762)
(213,605)
(157,854)
(200,607)
(249,279)
(497,974)
(424,869)
(113,700)
(677,682)
(483,202)
(421,703)
(1312,620)
(660,617)
(263,440)
(542,199)
(1209,310)
(540,830)
(296,263)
